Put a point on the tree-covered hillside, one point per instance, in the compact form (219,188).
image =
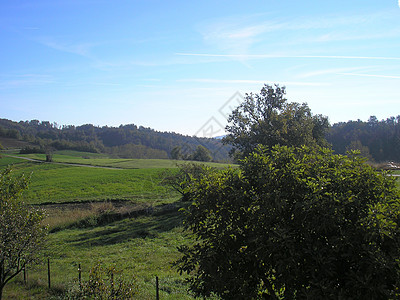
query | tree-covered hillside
(378,140)
(127,141)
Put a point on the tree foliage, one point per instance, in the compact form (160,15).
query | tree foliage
(294,223)
(176,153)
(21,232)
(179,180)
(201,154)
(268,119)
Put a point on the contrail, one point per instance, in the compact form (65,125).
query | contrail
(370,75)
(243,56)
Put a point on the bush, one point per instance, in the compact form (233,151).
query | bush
(294,223)
(103,283)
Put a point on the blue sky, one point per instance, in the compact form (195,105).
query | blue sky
(178,65)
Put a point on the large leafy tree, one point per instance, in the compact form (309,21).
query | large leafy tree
(294,223)
(21,231)
(268,119)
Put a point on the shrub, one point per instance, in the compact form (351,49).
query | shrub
(103,283)
(294,223)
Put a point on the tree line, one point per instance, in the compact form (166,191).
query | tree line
(125,141)
(379,141)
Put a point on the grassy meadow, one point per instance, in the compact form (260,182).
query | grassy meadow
(102,160)
(119,217)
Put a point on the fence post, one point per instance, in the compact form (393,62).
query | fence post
(157,291)
(112,283)
(48,271)
(80,275)
(24,275)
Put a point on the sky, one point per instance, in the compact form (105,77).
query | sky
(182,66)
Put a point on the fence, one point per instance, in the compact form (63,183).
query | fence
(78,275)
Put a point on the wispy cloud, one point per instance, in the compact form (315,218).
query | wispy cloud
(24,80)
(247,81)
(238,34)
(370,75)
(266,56)
(233,35)
(82,49)
(329,71)
(106,84)
(343,35)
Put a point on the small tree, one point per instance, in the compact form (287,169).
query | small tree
(176,153)
(294,223)
(201,154)
(21,232)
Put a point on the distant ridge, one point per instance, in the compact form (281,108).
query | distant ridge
(125,141)
(220,137)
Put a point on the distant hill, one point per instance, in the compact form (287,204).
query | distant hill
(220,137)
(126,141)
(12,143)
(378,140)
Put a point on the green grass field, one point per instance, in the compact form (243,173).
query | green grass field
(61,183)
(103,160)
(142,246)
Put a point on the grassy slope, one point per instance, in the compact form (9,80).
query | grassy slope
(95,159)
(143,247)
(63,183)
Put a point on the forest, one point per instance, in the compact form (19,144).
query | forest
(125,141)
(379,141)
